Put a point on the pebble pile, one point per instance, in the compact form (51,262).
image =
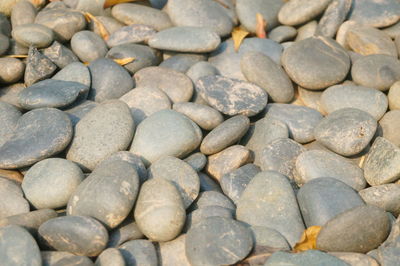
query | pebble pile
(145,133)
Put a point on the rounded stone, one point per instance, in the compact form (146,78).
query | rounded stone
(33,34)
(213,198)
(80,235)
(201,69)
(9,94)
(165,133)
(134,33)
(375,13)
(390,125)
(308,257)
(60,54)
(346,131)
(200,214)
(316,62)
(206,117)
(88,46)
(173,252)
(12,70)
(77,72)
(12,200)
(181,62)
(62,258)
(51,182)
(299,11)
(308,30)
(353,258)
(218,241)
(139,252)
(394,96)
(366,99)
(126,231)
(39,134)
(110,257)
(281,34)
(4,43)
(159,212)
(333,17)
(269,238)
(197,161)
(9,116)
(76,113)
(386,196)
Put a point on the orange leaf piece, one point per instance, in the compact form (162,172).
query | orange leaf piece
(261,25)
(17,56)
(238,35)
(109,3)
(308,239)
(124,61)
(103,31)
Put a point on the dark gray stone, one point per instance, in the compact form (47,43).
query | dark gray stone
(39,134)
(208,184)
(333,17)
(197,161)
(5,25)
(12,200)
(375,13)
(60,55)
(38,67)
(309,258)
(385,196)
(76,72)
(88,46)
(110,257)
(390,126)
(134,33)
(9,116)
(139,252)
(182,62)
(12,70)
(33,35)
(126,231)
(205,116)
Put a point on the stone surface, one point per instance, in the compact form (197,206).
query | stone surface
(354,259)
(206,117)
(306,31)
(33,35)
(110,257)
(38,67)
(62,258)
(12,70)
(76,113)
(309,257)
(75,71)
(134,33)
(88,46)
(173,252)
(23,12)
(213,198)
(197,161)
(333,17)
(208,184)
(200,214)
(394,96)
(375,13)
(389,124)
(12,200)
(181,62)
(385,196)
(60,55)
(126,231)
(281,34)
(139,252)
(9,116)
(4,43)
(300,11)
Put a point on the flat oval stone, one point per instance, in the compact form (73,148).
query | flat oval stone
(300,120)
(318,163)
(51,182)
(299,11)
(201,69)
(316,62)
(181,175)
(110,256)
(51,93)
(129,13)
(218,241)
(232,96)
(375,13)
(333,17)
(200,14)
(173,252)
(106,129)
(134,33)
(269,200)
(378,71)
(389,124)
(75,71)
(224,135)
(394,96)
(308,257)
(346,131)
(323,198)
(60,54)
(139,252)
(80,235)
(264,72)
(88,46)
(160,212)
(177,86)
(366,99)
(165,132)
(369,228)
(386,196)
(308,30)
(197,161)
(12,200)
(281,33)
(39,134)
(12,70)
(18,247)
(38,67)
(33,34)
(23,12)
(9,116)
(206,117)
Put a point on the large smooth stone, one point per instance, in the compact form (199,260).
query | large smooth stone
(75,71)
(369,228)
(366,99)
(9,116)
(318,163)
(165,133)
(269,200)
(181,175)
(139,252)
(218,241)
(377,14)
(385,196)
(186,39)
(346,131)
(390,125)
(51,182)
(39,134)
(300,11)
(173,252)
(18,247)
(316,62)
(12,201)
(110,257)
(323,198)
(79,235)
(88,46)
(109,80)
(38,67)
(33,35)
(160,212)
(205,116)
(135,33)
(60,55)
(309,258)
(382,164)
(333,17)
(106,129)
(62,258)
(300,120)
(23,12)
(12,70)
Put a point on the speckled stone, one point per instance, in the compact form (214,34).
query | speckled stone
(269,200)
(299,11)
(18,247)
(11,71)
(75,71)
(126,231)
(333,17)
(382,165)
(369,228)
(394,96)
(23,12)
(385,196)
(9,116)
(206,117)
(139,252)
(33,34)
(310,98)
(318,163)
(309,257)
(110,257)
(134,33)
(39,134)
(79,235)
(375,13)
(88,46)
(346,131)
(390,126)
(60,55)
(12,200)
(173,252)
(51,182)
(316,62)
(181,62)
(38,67)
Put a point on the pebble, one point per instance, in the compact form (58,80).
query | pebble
(197,161)
(392,30)
(386,196)
(375,13)
(177,86)
(355,259)
(389,124)
(346,131)
(9,94)
(51,258)
(282,34)
(299,11)
(51,182)
(109,80)
(11,196)
(110,257)
(378,71)
(60,54)
(75,71)
(126,231)
(213,198)
(309,257)
(319,163)
(38,67)
(310,98)
(200,214)
(206,117)
(388,256)
(111,24)
(139,252)
(4,43)
(12,70)
(323,198)
(269,200)
(23,12)
(333,17)
(182,62)
(306,31)
(129,14)
(80,235)
(394,96)
(316,62)
(264,72)
(160,211)
(76,113)
(17,246)
(173,252)
(208,184)
(369,228)
(134,33)
(165,132)
(106,129)
(47,131)
(366,99)
(180,174)
(88,46)
(218,241)
(201,69)
(186,39)
(381,165)
(265,237)
(300,120)
(33,34)
(9,116)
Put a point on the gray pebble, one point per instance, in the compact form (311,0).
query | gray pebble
(33,34)
(88,46)
(9,116)
(392,30)
(394,96)
(375,13)
(267,237)
(385,196)
(173,252)
(200,214)
(309,258)
(75,71)
(333,17)
(58,258)
(4,43)
(126,231)
(354,259)
(308,30)
(208,184)
(38,67)
(206,117)
(390,125)
(134,33)
(201,69)
(76,113)
(110,257)
(60,54)
(23,12)
(283,33)
(9,94)
(12,70)
(111,24)
(299,11)
(310,98)
(197,161)
(139,252)
(182,62)
(12,200)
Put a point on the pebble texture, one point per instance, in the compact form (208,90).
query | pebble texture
(299,11)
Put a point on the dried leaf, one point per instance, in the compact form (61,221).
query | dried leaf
(12,175)
(17,56)
(261,25)
(103,31)
(361,163)
(86,63)
(308,239)
(123,61)
(109,3)
(238,34)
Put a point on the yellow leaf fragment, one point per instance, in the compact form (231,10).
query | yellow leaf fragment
(261,25)
(308,239)
(17,56)
(86,63)
(109,3)
(124,61)
(238,35)
(102,29)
